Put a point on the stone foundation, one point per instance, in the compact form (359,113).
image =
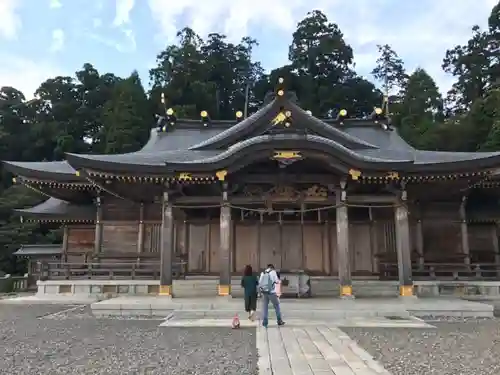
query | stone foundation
(320,287)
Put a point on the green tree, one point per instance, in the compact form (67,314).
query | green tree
(421,109)
(390,72)
(126,118)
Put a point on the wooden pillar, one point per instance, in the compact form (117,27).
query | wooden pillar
(225,245)
(419,237)
(98,227)
(403,247)
(496,246)
(373,241)
(65,243)
(166,247)
(140,235)
(464,232)
(343,258)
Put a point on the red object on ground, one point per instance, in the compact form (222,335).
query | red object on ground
(236,322)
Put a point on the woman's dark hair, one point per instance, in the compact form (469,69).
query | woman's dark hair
(248,270)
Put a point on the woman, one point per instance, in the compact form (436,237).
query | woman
(249,283)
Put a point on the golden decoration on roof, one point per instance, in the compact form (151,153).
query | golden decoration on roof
(393,175)
(221,175)
(239,114)
(170,111)
(280,117)
(185,176)
(287,155)
(354,173)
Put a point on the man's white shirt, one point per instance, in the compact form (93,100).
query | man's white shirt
(273,275)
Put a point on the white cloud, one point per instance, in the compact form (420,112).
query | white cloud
(419,31)
(54,4)
(26,75)
(127,46)
(10,22)
(57,40)
(122,12)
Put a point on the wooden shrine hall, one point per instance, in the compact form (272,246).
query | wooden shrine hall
(340,198)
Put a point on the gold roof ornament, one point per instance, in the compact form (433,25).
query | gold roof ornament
(280,117)
(287,155)
(221,175)
(355,174)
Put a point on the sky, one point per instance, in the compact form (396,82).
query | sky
(40,39)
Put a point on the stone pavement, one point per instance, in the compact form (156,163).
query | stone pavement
(310,350)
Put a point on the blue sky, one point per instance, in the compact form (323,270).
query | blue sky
(43,38)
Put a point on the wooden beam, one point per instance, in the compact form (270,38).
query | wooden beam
(65,244)
(366,199)
(343,258)
(403,250)
(323,179)
(166,247)
(225,246)
(98,228)
(464,231)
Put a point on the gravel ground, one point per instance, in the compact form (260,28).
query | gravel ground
(74,343)
(454,347)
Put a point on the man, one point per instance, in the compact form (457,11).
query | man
(267,285)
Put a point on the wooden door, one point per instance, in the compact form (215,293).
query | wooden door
(332,229)
(198,240)
(214,259)
(270,245)
(361,256)
(291,247)
(313,248)
(246,246)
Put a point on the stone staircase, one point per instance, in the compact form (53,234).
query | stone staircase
(329,287)
(196,287)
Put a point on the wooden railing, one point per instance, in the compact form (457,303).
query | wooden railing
(109,271)
(453,271)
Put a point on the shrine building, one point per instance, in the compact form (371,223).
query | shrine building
(338,199)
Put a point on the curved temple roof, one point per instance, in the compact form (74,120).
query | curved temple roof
(56,209)
(186,146)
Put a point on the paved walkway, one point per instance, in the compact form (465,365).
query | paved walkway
(312,350)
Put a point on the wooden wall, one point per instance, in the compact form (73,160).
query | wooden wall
(289,246)
(80,242)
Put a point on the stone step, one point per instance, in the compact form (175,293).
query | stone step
(293,314)
(195,288)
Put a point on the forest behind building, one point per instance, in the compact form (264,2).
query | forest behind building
(99,112)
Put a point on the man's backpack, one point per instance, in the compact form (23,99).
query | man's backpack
(266,283)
